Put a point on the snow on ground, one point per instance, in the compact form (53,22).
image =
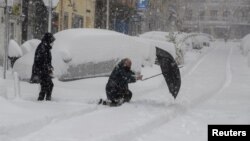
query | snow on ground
(215,90)
(225,100)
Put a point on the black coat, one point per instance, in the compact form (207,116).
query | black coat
(119,79)
(42,67)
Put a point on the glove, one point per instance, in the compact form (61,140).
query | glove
(139,77)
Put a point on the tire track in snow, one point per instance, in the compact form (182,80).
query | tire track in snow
(194,67)
(225,83)
(33,126)
(228,79)
(173,110)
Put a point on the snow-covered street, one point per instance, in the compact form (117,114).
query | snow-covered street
(215,90)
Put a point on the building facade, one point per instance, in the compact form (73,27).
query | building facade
(161,15)
(15,24)
(121,13)
(66,14)
(220,18)
(73,14)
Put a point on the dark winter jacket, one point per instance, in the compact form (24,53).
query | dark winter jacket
(42,67)
(119,79)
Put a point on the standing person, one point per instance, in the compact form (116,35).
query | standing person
(42,69)
(117,87)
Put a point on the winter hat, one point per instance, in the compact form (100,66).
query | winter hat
(48,37)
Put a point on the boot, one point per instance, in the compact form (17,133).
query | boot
(48,98)
(40,98)
(127,96)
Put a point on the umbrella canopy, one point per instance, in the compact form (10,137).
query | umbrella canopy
(170,71)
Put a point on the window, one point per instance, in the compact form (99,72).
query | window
(77,21)
(66,20)
(12,30)
(88,22)
(226,15)
(213,14)
(55,22)
(189,14)
(202,15)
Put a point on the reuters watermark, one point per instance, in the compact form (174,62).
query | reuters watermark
(235,132)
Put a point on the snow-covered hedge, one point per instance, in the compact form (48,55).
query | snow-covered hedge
(81,53)
(14,49)
(29,45)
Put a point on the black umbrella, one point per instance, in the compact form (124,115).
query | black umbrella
(170,71)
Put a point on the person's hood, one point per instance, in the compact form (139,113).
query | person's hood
(48,38)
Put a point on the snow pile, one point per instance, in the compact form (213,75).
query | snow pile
(96,45)
(29,45)
(158,43)
(198,42)
(7,108)
(245,47)
(155,35)
(2,89)
(79,53)
(249,60)
(14,49)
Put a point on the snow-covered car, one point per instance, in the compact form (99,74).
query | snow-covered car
(198,42)
(83,53)
(161,38)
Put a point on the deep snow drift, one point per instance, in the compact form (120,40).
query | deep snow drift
(215,90)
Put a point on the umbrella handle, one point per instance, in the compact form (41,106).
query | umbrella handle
(151,77)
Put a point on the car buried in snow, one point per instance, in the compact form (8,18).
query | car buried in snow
(86,53)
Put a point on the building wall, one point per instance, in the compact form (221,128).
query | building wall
(75,14)
(160,15)
(129,3)
(221,18)
(120,15)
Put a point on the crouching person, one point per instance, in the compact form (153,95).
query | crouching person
(117,89)
(42,69)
